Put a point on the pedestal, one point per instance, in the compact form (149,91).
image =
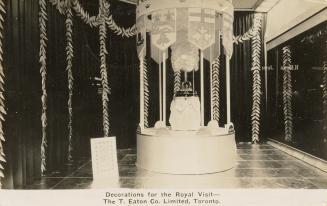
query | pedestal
(185,152)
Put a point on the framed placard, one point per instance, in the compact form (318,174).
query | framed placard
(104,158)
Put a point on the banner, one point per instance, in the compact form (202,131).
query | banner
(163,32)
(228,34)
(214,51)
(201,27)
(156,54)
(141,36)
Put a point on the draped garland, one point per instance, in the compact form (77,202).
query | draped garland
(70,78)
(256,68)
(2,89)
(43,70)
(103,10)
(95,21)
(177,81)
(92,21)
(129,32)
(146,92)
(287,94)
(251,33)
(215,89)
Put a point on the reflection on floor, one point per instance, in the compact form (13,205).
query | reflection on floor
(259,166)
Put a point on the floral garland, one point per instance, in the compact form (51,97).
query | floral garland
(104,6)
(94,21)
(256,67)
(324,91)
(43,70)
(2,89)
(177,81)
(215,88)
(251,33)
(70,55)
(129,32)
(287,94)
(146,92)
(60,5)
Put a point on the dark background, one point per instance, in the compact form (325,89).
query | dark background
(23,89)
(308,52)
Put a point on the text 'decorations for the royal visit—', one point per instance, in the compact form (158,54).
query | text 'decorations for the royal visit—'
(162,198)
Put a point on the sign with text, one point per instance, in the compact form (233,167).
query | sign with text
(104,158)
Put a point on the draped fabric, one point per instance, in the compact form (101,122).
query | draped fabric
(22,128)
(241,77)
(23,86)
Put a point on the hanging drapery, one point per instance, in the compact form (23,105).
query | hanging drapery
(254,34)
(69,67)
(287,93)
(23,126)
(2,89)
(103,11)
(256,88)
(43,70)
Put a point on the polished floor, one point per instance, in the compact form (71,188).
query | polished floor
(259,166)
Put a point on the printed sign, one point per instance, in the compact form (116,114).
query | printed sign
(104,158)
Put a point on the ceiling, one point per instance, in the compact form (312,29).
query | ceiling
(238,4)
(246,4)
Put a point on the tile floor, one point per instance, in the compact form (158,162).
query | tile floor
(259,166)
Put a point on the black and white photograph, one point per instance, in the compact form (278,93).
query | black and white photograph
(131,95)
